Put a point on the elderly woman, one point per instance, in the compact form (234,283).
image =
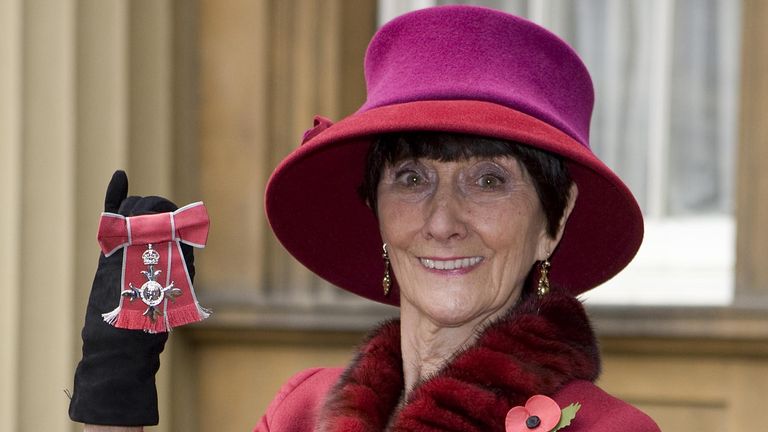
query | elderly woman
(465,192)
(481,213)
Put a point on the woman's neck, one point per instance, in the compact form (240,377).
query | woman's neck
(427,346)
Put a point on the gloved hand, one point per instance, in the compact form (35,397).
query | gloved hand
(115,379)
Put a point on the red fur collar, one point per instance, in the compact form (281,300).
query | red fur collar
(536,349)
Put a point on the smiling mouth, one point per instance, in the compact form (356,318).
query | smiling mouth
(452,264)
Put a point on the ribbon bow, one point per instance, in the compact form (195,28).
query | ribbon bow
(320,124)
(155,280)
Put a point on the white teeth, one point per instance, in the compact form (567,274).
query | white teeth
(450,264)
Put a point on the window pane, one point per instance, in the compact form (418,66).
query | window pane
(703,103)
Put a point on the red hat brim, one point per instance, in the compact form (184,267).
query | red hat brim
(314,209)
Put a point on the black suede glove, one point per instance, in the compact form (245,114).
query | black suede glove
(115,380)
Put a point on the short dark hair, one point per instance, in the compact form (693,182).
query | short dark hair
(548,171)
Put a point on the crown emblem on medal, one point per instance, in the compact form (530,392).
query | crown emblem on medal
(150,256)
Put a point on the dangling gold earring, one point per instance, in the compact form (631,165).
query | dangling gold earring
(386,283)
(543,287)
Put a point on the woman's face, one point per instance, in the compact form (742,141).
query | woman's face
(462,236)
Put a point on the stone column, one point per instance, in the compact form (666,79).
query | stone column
(751,270)
(81,82)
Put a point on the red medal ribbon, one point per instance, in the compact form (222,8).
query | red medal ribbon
(160,297)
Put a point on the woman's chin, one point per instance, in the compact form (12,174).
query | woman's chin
(451,315)
(454,311)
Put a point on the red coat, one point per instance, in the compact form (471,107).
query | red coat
(296,407)
(542,347)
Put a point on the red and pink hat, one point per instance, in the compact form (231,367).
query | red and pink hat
(468,70)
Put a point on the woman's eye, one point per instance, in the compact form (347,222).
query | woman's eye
(409,178)
(490,181)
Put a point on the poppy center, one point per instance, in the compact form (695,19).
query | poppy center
(532,422)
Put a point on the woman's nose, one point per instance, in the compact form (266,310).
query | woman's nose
(444,216)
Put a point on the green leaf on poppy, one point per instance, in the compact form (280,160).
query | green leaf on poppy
(568,414)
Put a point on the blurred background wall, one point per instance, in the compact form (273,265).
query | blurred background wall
(199,99)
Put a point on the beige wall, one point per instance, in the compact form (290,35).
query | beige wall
(84,90)
(38,126)
(10,191)
(181,93)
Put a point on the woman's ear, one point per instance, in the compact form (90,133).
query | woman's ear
(550,243)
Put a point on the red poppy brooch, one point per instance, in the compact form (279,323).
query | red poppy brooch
(540,414)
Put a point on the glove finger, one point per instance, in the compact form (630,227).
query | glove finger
(126,207)
(152,204)
(116,191)
(136,205)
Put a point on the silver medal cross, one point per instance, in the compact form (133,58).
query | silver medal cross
(151,292)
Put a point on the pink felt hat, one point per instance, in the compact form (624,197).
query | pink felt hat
(461,69)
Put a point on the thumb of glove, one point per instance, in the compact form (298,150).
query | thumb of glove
(117,191)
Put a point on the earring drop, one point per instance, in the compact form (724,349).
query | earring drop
(543,287)
(386,282)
